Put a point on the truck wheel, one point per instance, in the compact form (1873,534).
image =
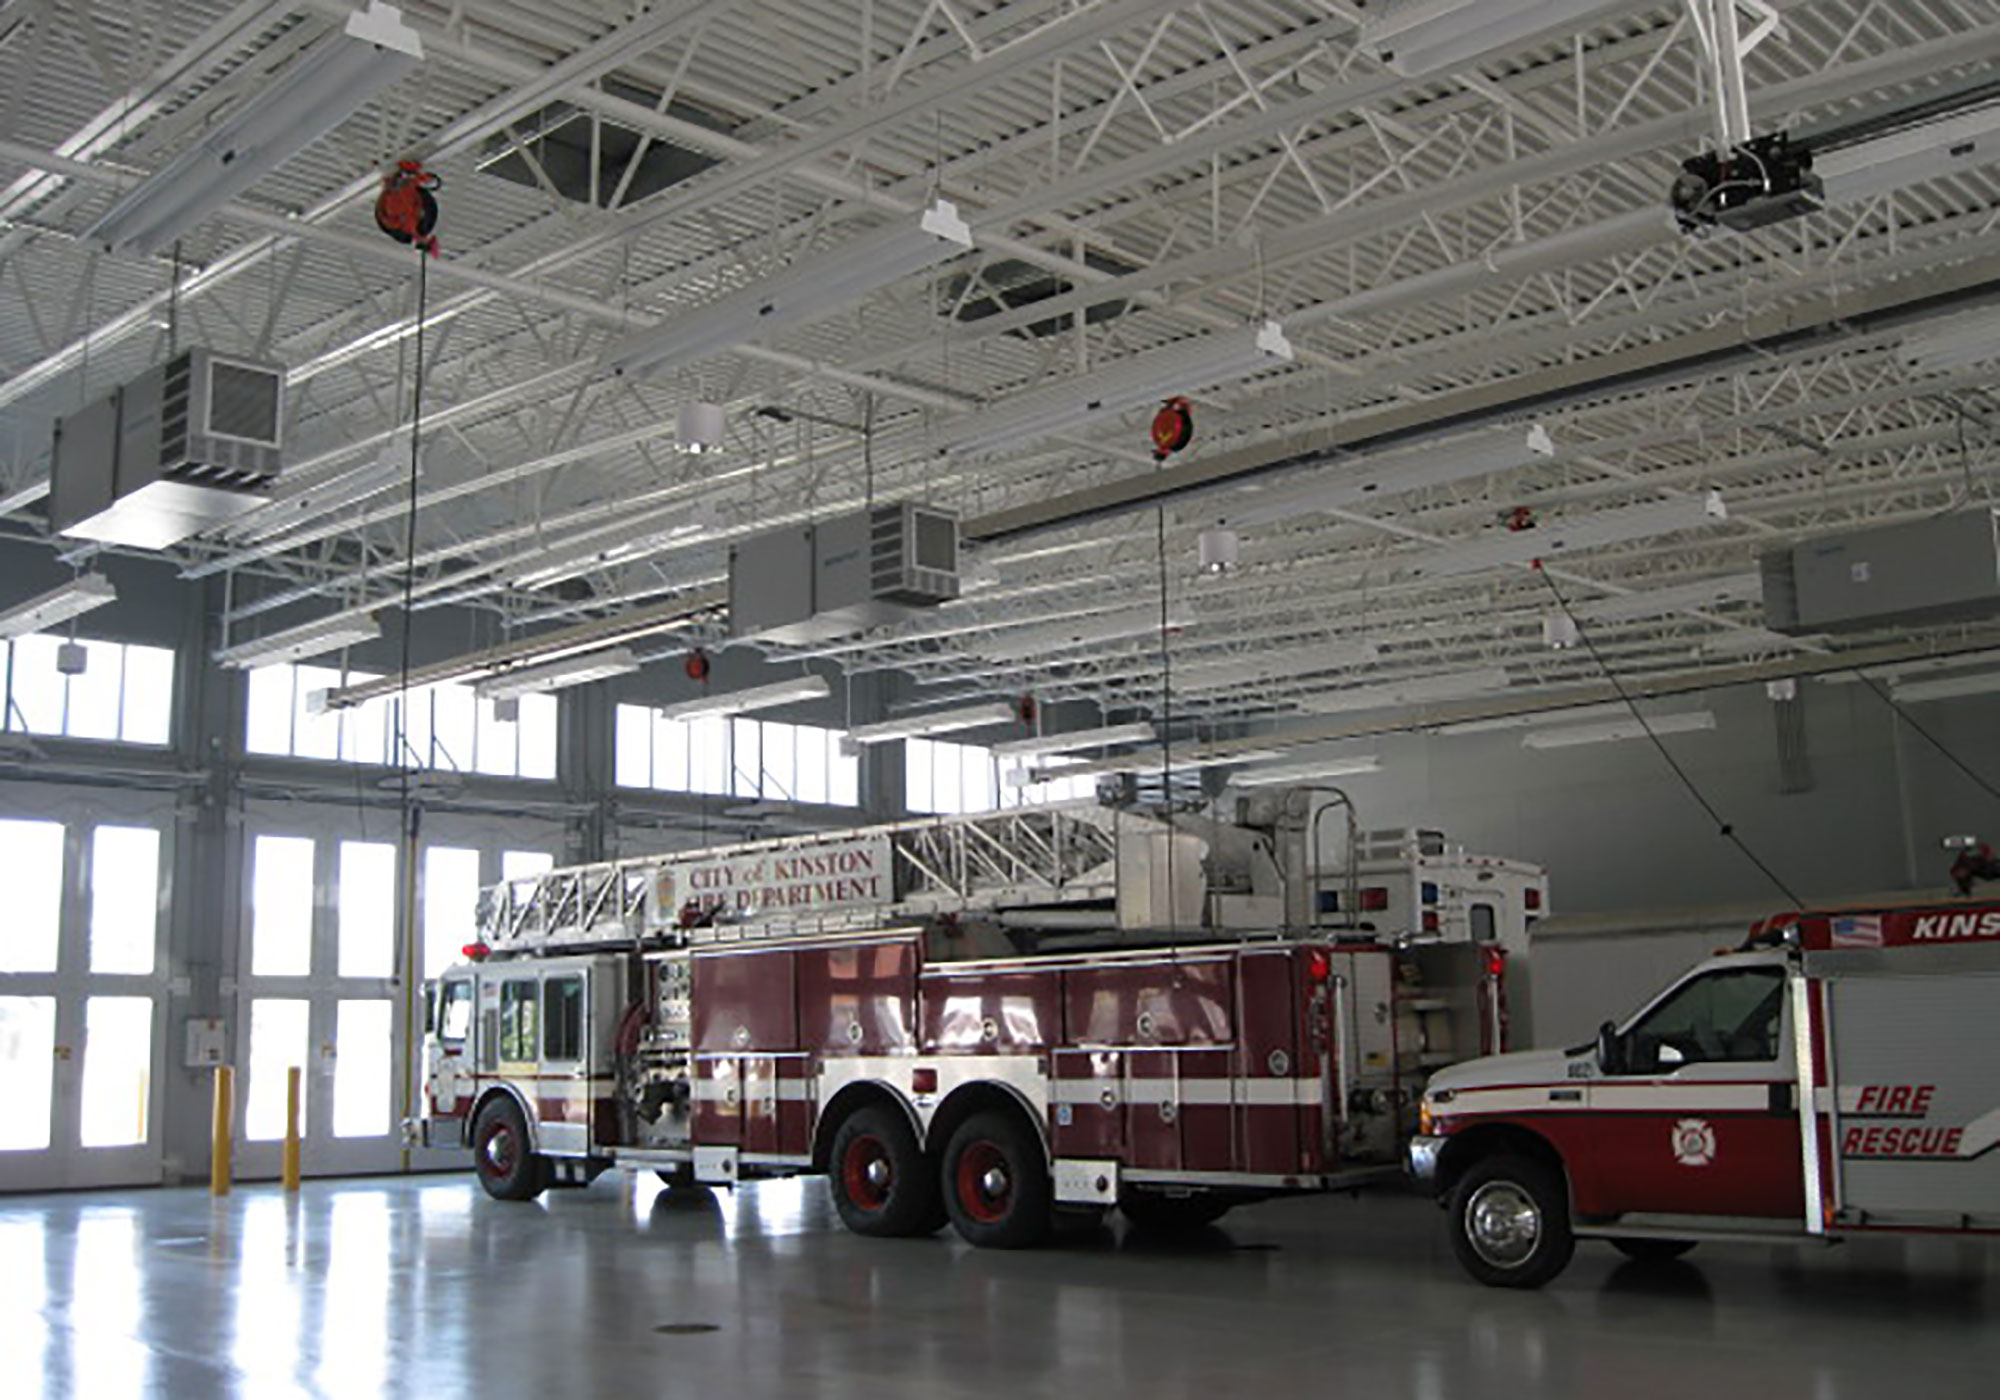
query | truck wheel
(1510,1223)
(881,1183)
(508,1168)
(1652,1251)
(996,1185)
(1173,1214)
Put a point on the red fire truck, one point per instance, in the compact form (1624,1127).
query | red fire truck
(1840,1075)
(986,1019)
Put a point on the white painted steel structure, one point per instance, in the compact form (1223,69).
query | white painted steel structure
(1483,246)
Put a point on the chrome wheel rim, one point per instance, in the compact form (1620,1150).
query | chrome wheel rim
(1503,1224)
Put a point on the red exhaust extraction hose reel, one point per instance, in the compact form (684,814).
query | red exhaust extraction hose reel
(406,209)
(1173,428)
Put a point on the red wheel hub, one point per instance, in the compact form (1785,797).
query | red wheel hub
(985,1182)
(867,1174)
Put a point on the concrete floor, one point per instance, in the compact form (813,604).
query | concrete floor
(424,1287)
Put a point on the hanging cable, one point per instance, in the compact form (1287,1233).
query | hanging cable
(1903,714)
(1722,827)
(409,811)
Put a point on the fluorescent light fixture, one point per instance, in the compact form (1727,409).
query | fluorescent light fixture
(757,697)
(1271,775)
(558,675)
(1157,760)
(935,722)
(1608,710)
(336,492)
(1076,740)
(315,638)
(57,606)
(1746,641)
(324,86)
(1419,37)
(1954,343)
(1356,482)
(561,565)
(1557,538)
(810,287)
(1417,690)
(1033,642)
(1699,596)
(1616,730)
(1950,145)
(1946,688)
(1185,367)
(1225,672)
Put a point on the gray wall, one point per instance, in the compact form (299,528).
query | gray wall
(1619,832)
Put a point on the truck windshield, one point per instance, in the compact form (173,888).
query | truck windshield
(1730,1015)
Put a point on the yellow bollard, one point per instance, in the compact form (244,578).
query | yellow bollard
(221,1130)
(292,1128)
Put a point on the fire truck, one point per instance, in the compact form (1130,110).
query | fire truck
(1837,1076)
(986,1019)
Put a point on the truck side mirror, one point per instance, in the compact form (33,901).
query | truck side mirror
(1610,1049)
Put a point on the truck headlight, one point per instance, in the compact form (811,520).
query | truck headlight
(1425,1122)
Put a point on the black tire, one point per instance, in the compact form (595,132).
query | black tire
(674,1177)
(1652,1251)
(1510,1222)
(882,1185)
(507,1168)
(996,1183)
(1173,1214)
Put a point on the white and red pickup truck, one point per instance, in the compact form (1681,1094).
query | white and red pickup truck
(1839,1075)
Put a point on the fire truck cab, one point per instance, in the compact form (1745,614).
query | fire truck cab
(1838,1075)
(985,1019)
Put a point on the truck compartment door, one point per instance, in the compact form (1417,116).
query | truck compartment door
(1914,1118)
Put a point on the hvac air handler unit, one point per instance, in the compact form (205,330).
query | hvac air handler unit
(985,1019)
(187,445)
(812,583)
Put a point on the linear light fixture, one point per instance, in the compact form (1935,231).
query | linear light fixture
(1931,150)
(1451,685)
(1390,473)
(1557,538)
(558,675)
(1144,762)
(757,697)
(1424,36)
(324,86)
(57,606)
(1946,688)
(1954,343)
(1616,730)
(808,288)
(1076,740)
(315,638)
(1271,775)
(1185,367)
(336,492)
(935,722)
(1225,672)
(561,565)
(1608,710)
(1033,642)
(1701,595)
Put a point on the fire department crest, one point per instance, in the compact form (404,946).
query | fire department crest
(1694,1142)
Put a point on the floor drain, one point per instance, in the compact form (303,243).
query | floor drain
(685,1329)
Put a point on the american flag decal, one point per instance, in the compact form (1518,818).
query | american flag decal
(1857,931)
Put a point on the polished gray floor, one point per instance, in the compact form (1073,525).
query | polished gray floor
(426,1288)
